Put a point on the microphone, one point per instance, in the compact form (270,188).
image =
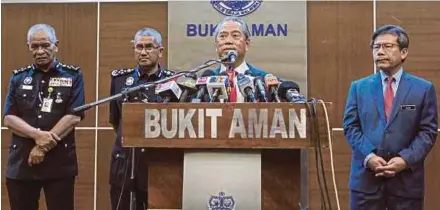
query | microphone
(201,85)
(290,91)
(231,56)
(259,84)
(246,87)
(188,84)
(272,85)
(217,87)
(170,91)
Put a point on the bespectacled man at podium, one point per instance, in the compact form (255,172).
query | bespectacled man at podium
(390,122)
(148,49)
(232,34)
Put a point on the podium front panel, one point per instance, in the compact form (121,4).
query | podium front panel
(222,178)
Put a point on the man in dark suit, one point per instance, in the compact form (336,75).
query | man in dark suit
(390,122)
(39,112)
(232,33)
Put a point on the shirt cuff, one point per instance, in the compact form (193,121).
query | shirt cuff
(368,158)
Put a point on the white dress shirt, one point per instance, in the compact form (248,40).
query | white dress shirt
(240,69)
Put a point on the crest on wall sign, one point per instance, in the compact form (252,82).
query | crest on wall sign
(221,202)
(236,8)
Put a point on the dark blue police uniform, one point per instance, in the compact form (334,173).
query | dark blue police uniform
(28,88)
(120,166)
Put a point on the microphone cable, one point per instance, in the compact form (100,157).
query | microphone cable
(320,171)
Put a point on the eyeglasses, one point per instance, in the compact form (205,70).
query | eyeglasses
(148,48)
(385,46)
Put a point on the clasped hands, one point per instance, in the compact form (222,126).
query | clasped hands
(45,141)
(382,168)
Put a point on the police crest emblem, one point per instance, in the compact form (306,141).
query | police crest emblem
(221,202)
(27,80)
(236,8)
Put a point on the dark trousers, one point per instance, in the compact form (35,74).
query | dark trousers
(25,194)
(382,200)
(120,199)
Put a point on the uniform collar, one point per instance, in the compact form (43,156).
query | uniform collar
(55,66)
(155,75)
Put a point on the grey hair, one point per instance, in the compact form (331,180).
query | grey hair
(148,32)
(243,26)
(402,36)
(49,30)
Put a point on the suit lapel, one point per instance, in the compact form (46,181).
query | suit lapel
(402,92)
(377,92)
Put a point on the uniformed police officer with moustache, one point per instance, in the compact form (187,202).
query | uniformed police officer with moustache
(148,50)
(39,112)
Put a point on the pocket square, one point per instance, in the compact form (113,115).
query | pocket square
(408,107)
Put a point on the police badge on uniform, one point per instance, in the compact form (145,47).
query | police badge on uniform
(129,81)
(221,202)
(27,80)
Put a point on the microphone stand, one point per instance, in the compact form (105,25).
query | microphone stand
(144,87)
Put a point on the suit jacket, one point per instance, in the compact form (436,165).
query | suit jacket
(410,132)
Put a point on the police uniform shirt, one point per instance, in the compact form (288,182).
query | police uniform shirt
(120,163)
(126,78)
(41,99)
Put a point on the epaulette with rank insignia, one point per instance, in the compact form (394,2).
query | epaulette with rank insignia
(168,72)
(120,72)
(21,70)
(70,67)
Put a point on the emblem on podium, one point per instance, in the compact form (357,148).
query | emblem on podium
(221,202)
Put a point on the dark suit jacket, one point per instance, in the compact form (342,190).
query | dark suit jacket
(409,133)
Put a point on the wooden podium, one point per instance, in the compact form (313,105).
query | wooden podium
(240,154)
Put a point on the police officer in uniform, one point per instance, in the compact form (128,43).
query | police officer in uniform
(39,112)
(148,50)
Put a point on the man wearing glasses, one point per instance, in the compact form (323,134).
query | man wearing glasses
(39,112)
(392,136)
(148,50)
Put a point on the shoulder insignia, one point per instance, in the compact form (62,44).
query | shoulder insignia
(21,70)
(70,67)
(168,72)
(120,72)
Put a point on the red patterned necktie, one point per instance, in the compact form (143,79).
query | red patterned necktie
(233,93)
(389,97)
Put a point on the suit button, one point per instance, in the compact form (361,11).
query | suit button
(117,155)
(65,145)
(142,150)
(14,146)
(39,116)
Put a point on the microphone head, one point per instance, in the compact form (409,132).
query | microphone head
(249,73)
(285,87)
(169,89)
(208,73)
(244,83)
(187,83)
(218,83)
(203,79)
(231,56)
(271,81)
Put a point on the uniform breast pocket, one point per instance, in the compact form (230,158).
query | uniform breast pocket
(25,99)
(61,98)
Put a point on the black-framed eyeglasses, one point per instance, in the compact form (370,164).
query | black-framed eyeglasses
(148,47)
(385,46)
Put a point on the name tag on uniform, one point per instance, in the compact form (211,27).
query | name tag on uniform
(27,87)
(60,82)
(408,107)
(47,105)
